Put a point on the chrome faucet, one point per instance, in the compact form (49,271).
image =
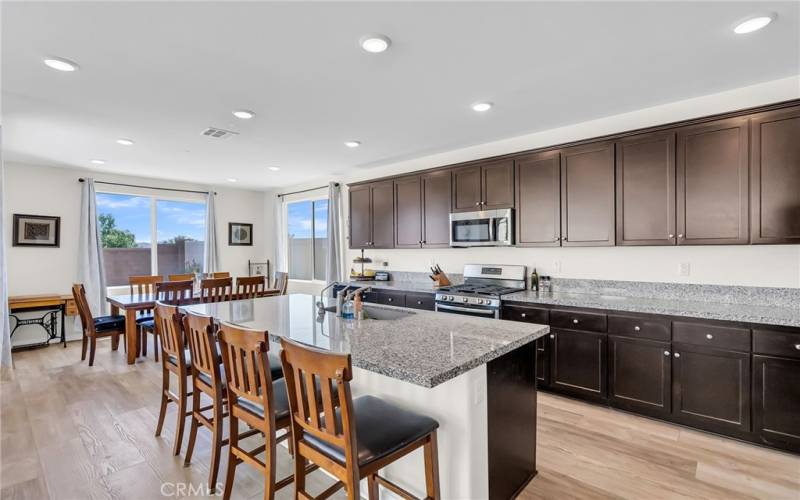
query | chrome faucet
(356,292)
(321,302)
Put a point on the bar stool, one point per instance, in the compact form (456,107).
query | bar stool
(349,438)
(250,287)
(174,293)
(175,359)
(216,289)
(207,378)
(255,399)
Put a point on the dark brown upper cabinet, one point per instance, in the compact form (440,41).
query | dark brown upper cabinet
(485,186)
(587,195)
(436,191)
(408,212)
(712,183)
(775,177)
(372,215)
(539,199)
(646,189)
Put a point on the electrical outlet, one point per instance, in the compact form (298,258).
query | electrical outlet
(684,269)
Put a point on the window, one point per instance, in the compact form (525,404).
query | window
(129,224)
(307,224)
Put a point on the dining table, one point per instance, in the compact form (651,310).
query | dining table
(134,304)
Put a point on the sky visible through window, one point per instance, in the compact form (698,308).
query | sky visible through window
(132,213)
(299,218)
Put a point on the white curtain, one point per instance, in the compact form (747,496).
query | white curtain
(210,247)
(333,264)
(90,253)
(281,263)
(5,327)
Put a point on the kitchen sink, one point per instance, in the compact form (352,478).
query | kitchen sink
(378,313)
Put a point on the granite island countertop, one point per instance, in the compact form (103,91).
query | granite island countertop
(400,286)
(421,347)
(759,314)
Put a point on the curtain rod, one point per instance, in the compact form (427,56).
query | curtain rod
(305,190)
(81,179)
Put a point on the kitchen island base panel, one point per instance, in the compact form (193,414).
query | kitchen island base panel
(460,407)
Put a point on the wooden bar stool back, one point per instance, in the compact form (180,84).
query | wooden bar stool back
(174,293)
(181,277)
(281,282)
(216,289)
(144,285)
(175,359)
(94,328)
(221,274)
(255,399)
(326,426)
(250,287)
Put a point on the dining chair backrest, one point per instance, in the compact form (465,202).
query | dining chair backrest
(181,277)
(175,293)
(168,323)
(250,287)
(144,285)
(203,346)
(216,289)
(221,274)
(247,372)
(281,282)
(318,383)
(85,313)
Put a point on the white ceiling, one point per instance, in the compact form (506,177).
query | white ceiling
(160,73)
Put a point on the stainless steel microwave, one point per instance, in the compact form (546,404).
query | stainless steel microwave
(487,228)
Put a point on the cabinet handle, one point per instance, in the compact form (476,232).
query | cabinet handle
(419,302)
(709,336)
(575,321)
(565,238)
(671,235)
(677,355)
(390,299)
(680,235)
(552,336)
(636,328)
(666,353)
(523,315)
(477,203)
(797,346)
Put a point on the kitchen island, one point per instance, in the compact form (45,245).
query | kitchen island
(475,376)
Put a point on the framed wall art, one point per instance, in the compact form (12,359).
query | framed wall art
(240,234)
(36,231)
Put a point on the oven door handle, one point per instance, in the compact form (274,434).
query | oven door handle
(464,309)
(492,232)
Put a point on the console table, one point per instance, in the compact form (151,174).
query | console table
(52,305)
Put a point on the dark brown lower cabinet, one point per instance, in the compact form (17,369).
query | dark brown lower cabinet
(711,388)
(639,375)
(578,363)
(543,361)
(776,401)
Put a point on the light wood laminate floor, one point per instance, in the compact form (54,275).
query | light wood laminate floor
(74,432)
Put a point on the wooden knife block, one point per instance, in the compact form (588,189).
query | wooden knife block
(441,280)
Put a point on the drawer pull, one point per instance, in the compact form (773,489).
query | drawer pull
(552,336)
(709,336)
(419,302)
(666,353)
(575,321)
(636,328)
(523,315)
(677,355)
(797,346)
(390,299)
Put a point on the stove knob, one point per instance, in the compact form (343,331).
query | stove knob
(480,301)
(450,298)
(465,299)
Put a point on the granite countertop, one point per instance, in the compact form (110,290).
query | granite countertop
(421,347)
(400,286)
(760,314)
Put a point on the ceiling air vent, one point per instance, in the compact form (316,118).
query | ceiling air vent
(218,133)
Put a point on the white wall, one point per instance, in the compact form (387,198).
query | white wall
(42,190)
(731,265)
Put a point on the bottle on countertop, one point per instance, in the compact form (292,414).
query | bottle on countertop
(534,281)
(544,284)
(348,309)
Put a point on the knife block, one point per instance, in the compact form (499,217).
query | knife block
(441,280)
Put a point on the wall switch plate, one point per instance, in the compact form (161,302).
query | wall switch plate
(684,269)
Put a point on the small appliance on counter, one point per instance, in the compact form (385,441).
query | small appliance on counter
(382,276)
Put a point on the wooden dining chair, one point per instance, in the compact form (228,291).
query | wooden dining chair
(181,277)
(95,327)
(250,287)
(255,399)
(351,439)
(175,293)
(221,274)
(216,289)
(176,359)
(281,282)
(207,378)
(144,285)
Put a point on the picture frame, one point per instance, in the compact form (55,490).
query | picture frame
(36,231)
(240,234)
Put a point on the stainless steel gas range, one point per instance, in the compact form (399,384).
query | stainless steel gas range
(480,294)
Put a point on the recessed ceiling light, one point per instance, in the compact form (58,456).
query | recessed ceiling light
(61,64)
(244,114)
(98,162)
(231,179)
(375,44)
(482,106)
(753,24)
(125,142)
(274,169)
(352,144)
